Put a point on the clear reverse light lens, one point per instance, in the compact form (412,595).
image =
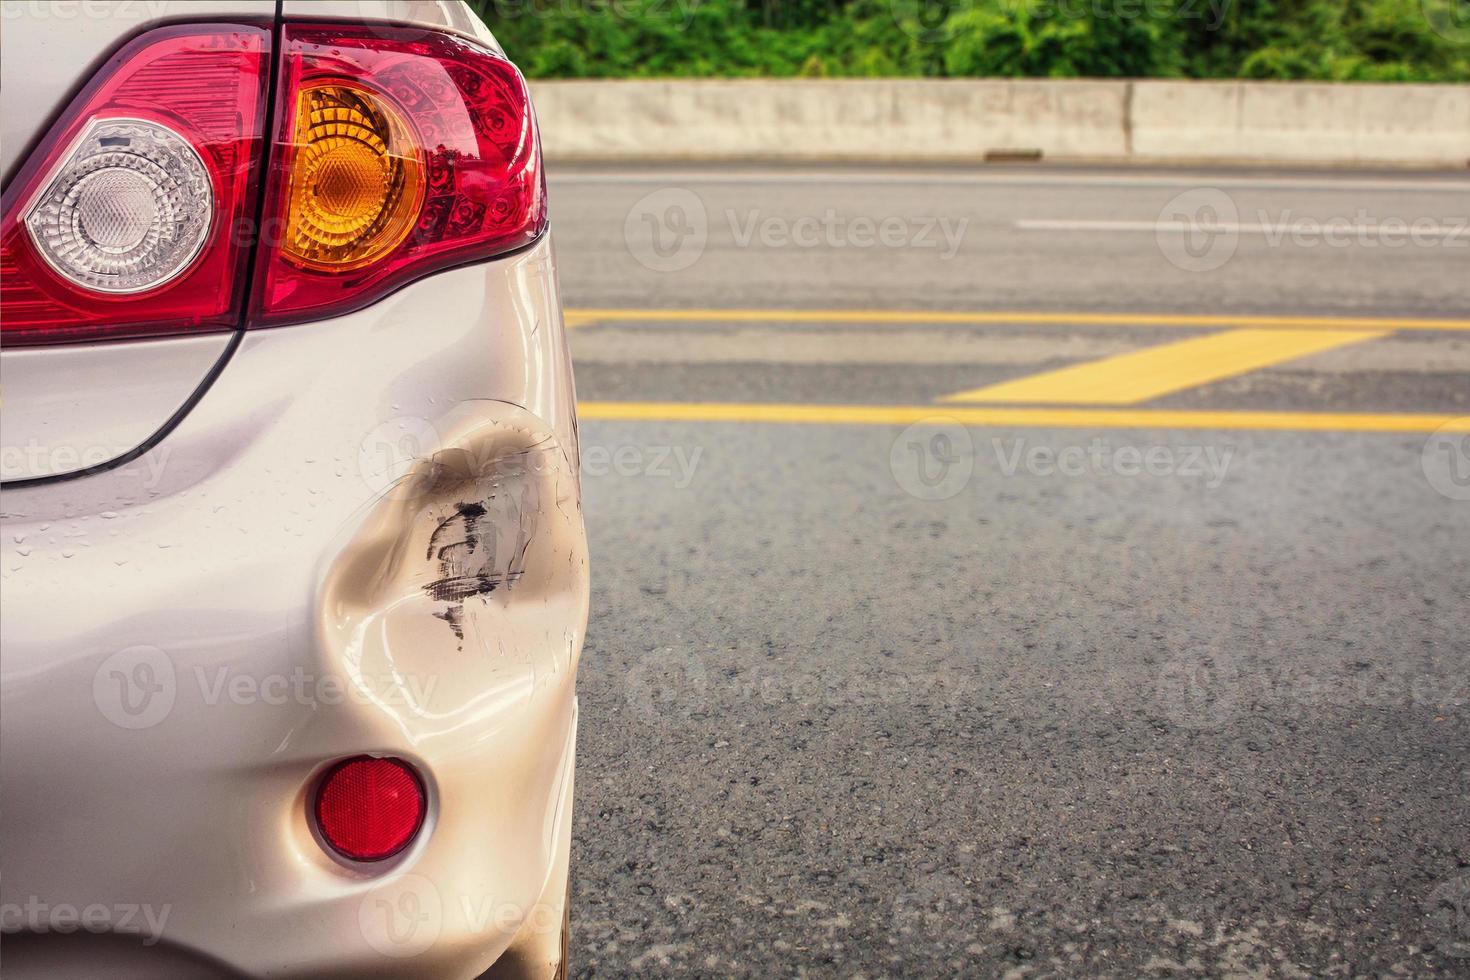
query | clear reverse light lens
(128,209)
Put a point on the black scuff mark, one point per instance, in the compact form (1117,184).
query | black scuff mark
(469,514)
(455,591)
(467,560)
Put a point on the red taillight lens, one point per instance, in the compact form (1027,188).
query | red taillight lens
(397,153)
(369,809)
(133,218)
(401,153)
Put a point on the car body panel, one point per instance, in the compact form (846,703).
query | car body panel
(419,590)
(454,16)
(77,406)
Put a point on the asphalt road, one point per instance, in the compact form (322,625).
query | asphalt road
(1041,238)
(1132,684)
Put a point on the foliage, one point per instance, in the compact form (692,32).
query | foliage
(1336,40)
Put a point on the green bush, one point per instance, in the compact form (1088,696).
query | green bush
(1338,40)
(1041,39)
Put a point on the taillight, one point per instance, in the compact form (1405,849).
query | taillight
(401,153)
(132,218)
(369,809)
(396,153)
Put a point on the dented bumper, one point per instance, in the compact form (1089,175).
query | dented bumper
(365,538)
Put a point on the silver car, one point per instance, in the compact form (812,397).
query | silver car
(294,569)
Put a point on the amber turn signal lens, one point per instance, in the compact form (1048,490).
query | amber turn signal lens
(356,179)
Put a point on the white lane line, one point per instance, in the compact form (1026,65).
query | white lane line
(1419,228)
(1323,183)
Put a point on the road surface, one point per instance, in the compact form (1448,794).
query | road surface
(1019,572)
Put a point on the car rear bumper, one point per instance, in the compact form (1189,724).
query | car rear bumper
(366,537)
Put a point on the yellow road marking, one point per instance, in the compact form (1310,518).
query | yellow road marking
(1142,375)
(583,317)
(1085,418)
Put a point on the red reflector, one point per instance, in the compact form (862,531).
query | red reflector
(370,809)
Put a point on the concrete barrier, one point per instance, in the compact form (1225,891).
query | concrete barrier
(1347,125)
(967,120)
